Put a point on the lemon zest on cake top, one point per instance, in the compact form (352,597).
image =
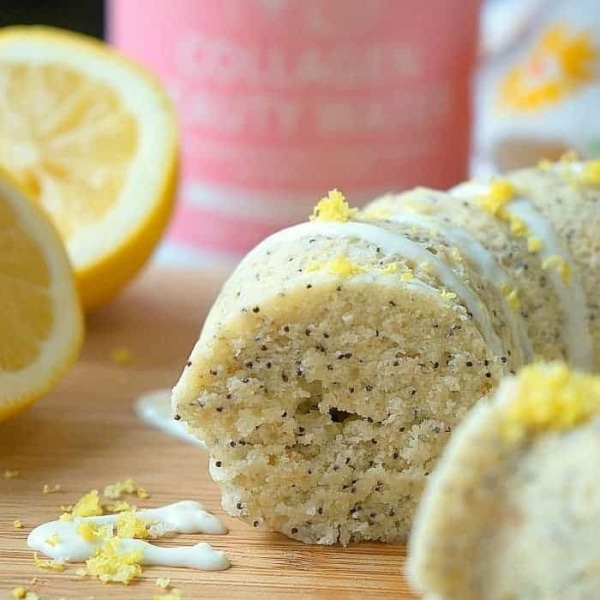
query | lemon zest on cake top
(562,267)
(500,193)
(446,295)
(517,226)
(512,298)
(333,207)
(343,266)
(550,397)
(390,268)
(340,265)
(534,244)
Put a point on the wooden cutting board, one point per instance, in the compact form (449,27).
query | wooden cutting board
(86,435)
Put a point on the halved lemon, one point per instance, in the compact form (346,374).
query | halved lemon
(93,137)
(41,324)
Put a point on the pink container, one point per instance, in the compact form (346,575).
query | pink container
(282,100)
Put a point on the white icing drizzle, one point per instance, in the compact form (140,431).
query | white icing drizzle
(154,409)
(576,334)
(484,259)
(182,517)
(390,243)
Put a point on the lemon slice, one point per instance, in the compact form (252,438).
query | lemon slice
(41,322)
(93,137)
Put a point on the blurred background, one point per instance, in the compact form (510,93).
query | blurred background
(535,95)
(85,16)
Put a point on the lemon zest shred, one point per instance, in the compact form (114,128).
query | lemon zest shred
(112,564)
(590,174)
(93,532)
(513,300)
(511,295)
(87,506)
(47,564)
(53,540)
(314,267)
(500,193)
(534,244)
(390,268)
(21,593)
(129,525)
(562,267)
(549,397)
(119,506)
(340,265)
(446,295)
(517,226)
(115,491)
(164,583)
(333,207)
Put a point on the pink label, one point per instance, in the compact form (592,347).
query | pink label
(282,100)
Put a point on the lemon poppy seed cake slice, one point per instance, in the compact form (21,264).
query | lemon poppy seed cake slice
(342,352)
(330,371)
(512,510)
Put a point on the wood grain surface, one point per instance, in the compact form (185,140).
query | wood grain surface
(85,435)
